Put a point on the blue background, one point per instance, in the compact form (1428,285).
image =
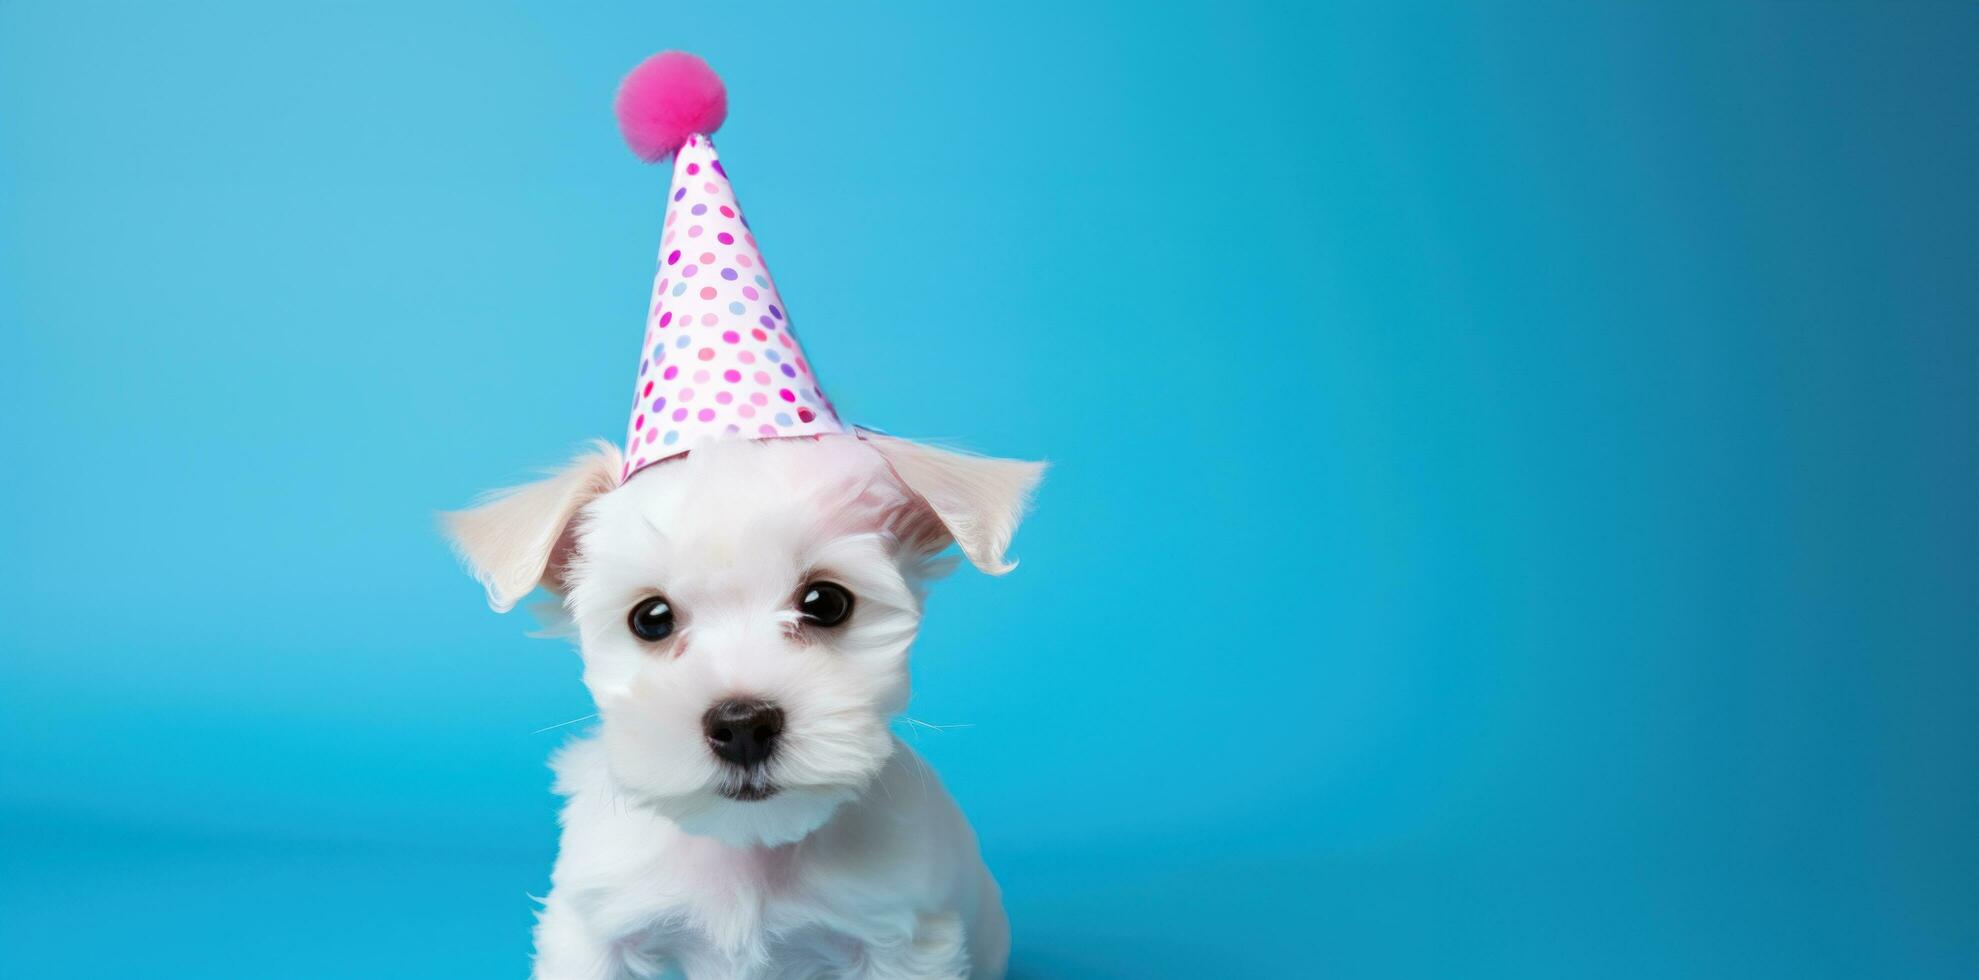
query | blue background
(1513,496)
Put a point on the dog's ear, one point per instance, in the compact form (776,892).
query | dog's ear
(518,538)
(974,500)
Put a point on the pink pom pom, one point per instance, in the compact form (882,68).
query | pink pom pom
(669,97)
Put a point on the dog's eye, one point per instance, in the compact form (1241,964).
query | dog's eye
(825,603)
(651,620)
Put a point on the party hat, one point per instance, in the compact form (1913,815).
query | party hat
(719,359)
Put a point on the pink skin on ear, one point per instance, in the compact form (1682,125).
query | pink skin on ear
(671,96)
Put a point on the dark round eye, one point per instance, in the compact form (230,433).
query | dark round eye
(652,619)
(824,603)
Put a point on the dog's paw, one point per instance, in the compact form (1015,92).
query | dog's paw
(936,951)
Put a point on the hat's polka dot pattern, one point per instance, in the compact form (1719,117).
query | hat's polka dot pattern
(746,375)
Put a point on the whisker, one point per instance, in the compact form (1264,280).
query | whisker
(561,724)
(930,726)
(921,772)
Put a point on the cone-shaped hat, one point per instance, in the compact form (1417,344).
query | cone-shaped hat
(719,359)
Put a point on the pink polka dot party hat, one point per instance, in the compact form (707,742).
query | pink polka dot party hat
(719,359)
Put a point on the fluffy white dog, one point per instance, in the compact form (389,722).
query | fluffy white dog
(744,614)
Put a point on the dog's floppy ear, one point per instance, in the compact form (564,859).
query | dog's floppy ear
(976,500)
(518,538)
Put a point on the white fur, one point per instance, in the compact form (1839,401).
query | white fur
(859,864)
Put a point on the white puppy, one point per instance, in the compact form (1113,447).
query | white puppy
(744,614)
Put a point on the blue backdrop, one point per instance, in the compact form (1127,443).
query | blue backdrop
(1513,496)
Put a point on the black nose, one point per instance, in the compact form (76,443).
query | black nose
(743,732)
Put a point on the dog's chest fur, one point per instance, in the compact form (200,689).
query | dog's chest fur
(867,881)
